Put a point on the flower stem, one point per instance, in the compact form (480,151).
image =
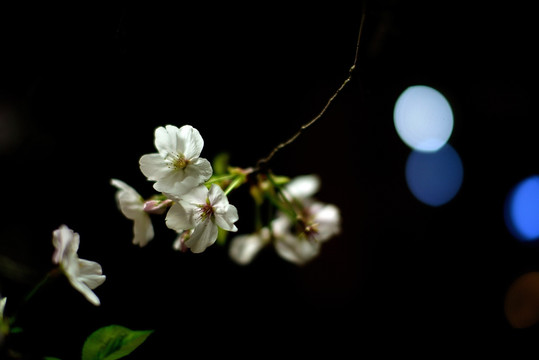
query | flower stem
(50,275)
(261,164)
(220,178)
(237,181)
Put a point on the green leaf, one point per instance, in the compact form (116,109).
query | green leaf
(112,342)
(50,358)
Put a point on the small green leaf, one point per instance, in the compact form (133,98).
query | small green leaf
(112,342)
(50,358)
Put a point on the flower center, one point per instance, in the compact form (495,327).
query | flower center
(178,162)
(311,230)
(206,210)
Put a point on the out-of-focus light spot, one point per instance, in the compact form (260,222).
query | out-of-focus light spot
(423,118)
(522,209)
(434,178)
(522,301)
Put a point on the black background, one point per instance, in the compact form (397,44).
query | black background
(82,88)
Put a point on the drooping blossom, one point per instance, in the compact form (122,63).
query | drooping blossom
(84,275)
(132,205)
(177,166)
(203,211)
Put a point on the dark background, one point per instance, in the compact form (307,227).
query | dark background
(82,88)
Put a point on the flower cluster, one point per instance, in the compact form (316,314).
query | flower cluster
(299,228)
(197,207)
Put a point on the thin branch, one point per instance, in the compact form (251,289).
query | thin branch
(260,164)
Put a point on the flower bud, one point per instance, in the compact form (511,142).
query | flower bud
(157,206)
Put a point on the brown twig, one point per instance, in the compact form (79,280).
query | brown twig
(262,162)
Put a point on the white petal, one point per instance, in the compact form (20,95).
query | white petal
(281,225)
(180,216)
(297,250)
(84,276)
(165,140)
(204,235)
(2,307)
(66,243)
(243,248)
(85,290)
(303,186)
(329,222)
(90,273)
(200,169)
(217,196)
(226,219)
(175,183)
(153,166)
(142,230)
(189,142)
(129,201)
(196,196)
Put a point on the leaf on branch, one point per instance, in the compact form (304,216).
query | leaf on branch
(112,342)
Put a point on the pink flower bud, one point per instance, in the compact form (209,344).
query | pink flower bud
(156,206)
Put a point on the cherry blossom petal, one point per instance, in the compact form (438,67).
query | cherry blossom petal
(226,219)
(128,199)
(304,186)
(153,166)
(189,142)
(142,230)
(203,236)
(244,248)
(297,250)
(90,273)
(66,243)
(166,140)
(181,216)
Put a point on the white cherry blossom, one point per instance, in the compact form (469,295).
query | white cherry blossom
(84,275)
(317,222)
(132,206)
(203,211)
(177,166)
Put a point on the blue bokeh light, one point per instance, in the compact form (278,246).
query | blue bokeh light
(522,209)
(434,178)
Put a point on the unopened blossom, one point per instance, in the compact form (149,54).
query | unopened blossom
(132,206)
(203,211)
(177,166)
(84,275)
(243,248)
